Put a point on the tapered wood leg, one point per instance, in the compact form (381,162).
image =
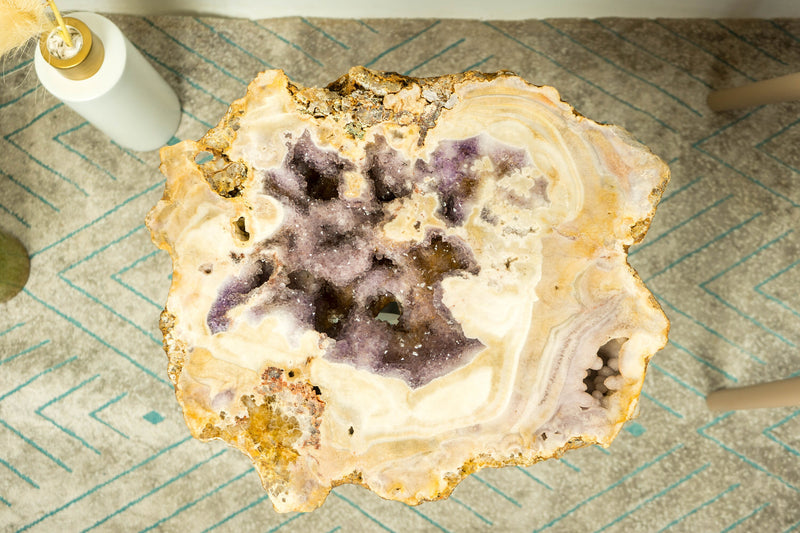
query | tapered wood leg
(784,393)
(783,89)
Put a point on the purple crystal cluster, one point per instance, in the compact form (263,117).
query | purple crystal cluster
(381,302)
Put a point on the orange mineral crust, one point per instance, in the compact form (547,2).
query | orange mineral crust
(396,282)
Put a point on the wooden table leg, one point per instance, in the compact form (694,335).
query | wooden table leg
(783,89)
(784,393)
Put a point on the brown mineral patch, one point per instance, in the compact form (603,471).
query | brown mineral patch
(210,432)
(358,100)
(273,432)
(175,349)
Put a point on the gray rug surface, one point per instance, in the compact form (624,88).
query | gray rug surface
(92,439)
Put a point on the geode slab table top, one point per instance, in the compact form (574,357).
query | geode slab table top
(396,281)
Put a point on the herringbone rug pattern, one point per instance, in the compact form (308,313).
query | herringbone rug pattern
(91,437)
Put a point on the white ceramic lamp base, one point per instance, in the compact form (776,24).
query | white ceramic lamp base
(126,98)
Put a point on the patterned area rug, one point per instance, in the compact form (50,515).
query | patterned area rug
(91,437)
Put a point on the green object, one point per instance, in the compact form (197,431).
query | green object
(14,266)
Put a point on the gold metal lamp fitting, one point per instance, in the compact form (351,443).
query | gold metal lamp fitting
(86,62)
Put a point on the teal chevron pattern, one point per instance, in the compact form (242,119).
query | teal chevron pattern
(91,437)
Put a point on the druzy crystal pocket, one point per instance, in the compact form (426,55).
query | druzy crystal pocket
(396,281)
